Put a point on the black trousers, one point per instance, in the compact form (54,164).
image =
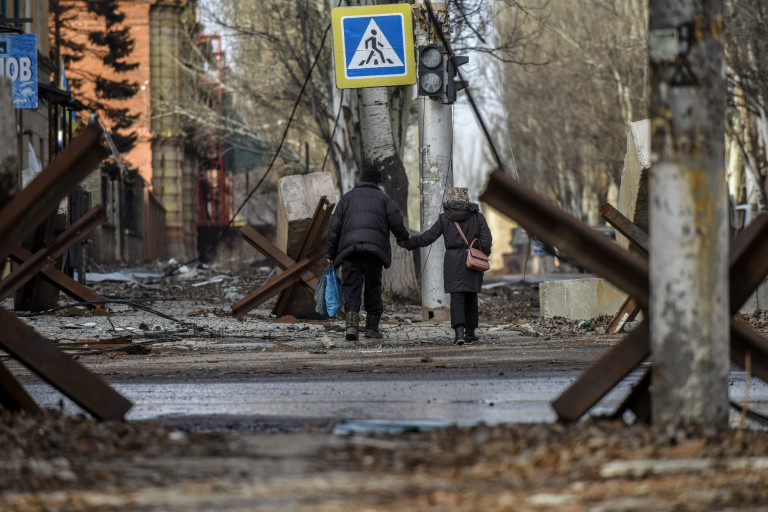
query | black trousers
(464,310)
(361,274)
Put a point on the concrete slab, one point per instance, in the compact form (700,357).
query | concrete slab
(298,196)
(579,299)
(633,192)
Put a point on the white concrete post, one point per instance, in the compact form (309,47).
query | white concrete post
(435,147)
(689,311)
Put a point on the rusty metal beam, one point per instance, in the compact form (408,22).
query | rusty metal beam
(48,254)
(318,226)
(61,371)
(271,251)
(274,286)
(587,247)
(627,312)
(603,375)
(623,225)
(744,340)
(638,401)
(265,247)
(31,205)
(746,265)
(13,396)
(61,280)
(748,261)
(639,240)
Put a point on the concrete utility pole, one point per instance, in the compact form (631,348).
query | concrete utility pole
(435,148)
(689,311)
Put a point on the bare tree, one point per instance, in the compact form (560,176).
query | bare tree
(280,53)
(746,36)
(570,109)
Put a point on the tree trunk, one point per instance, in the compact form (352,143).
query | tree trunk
(380,149)
(346,144)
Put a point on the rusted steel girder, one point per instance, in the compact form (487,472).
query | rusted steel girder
(294,272)
(46,256)
(636,236)
(604,374)
(747,269)
(61,280)
(626,313)
(288,278)
(271,251)
(31,205)
(749,264)
(13,396)
(639,241)
(59,370)
(638,401)
(587,247)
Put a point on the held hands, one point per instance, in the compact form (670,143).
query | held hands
(401,244)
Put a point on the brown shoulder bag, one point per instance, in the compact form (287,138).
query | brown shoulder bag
(476,258)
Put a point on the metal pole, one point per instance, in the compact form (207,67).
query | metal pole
(435,148)
(689,307)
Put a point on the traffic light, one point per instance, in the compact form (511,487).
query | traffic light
(431,70)
(455,85)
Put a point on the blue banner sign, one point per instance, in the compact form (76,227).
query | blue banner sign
(18,63)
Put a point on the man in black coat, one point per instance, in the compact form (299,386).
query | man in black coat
(358,241)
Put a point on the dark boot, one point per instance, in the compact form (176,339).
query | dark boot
(372,326)
(459,335)
(353,323)
(470,336)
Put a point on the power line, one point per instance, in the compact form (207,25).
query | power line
(333,133)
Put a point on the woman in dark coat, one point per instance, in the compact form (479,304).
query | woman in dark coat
(462,283)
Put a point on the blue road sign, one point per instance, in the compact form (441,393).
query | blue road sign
(373,46)
(18,63)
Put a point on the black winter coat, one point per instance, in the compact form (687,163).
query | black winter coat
(361,222)
(456,276)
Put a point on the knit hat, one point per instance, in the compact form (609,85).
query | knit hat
(372,175)
(461,194)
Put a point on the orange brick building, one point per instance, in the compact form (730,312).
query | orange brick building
(162,154)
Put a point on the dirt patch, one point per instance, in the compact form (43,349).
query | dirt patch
(58,462)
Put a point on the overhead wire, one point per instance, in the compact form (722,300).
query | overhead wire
(333,133)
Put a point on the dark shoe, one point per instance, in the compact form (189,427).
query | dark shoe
(353,323)
(372,326)
(470,336)
(459,335)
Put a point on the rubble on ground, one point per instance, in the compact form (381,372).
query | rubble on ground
(58,461)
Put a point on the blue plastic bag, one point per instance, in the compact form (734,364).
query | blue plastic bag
(333,298)
(320,293)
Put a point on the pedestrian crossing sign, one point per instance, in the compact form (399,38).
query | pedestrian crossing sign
(373,46)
